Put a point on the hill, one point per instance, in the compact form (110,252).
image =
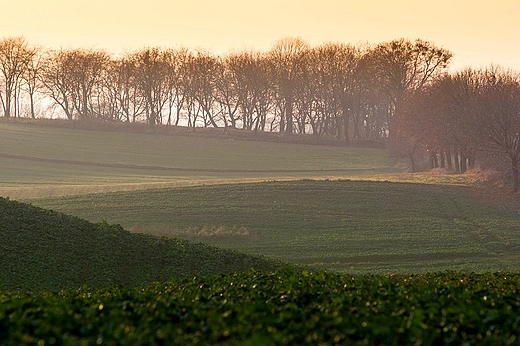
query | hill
(46,250)
(41,159)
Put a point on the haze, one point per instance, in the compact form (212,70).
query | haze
(479,33)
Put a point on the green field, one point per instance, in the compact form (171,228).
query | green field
(401,249)
(273,308)
(354,226)
(304,204)
(65,281)
(39,161)
(51,251)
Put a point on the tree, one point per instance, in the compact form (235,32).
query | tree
(150,68)
(87,72)
(229,91)
(56,76)
(401,66)
(248,76)
(287,56)
(497,113)
(177,68)
(439,118)
(32,78)
(204,70)
(15,56)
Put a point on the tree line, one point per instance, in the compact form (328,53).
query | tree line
(337,90)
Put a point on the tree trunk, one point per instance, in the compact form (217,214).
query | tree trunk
(516,175)
(33,114)
(463,163)
(448,160)
(434,161)
(443,159)
(412,161)
(7,110)
(282,121)
(456,160)
(346,120)
(288,114)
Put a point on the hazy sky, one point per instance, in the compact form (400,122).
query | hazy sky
(478,32)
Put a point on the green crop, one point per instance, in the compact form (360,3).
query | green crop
(40,161)
(274,308)
(351,226)
(46,250)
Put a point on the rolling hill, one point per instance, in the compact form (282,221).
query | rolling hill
(46,250)
(40,160)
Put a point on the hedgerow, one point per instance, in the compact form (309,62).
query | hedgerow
(280,307)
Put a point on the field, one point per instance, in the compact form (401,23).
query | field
(70,282)
(41,161)
(302,204)
(411,259)
(273,308)
(351,226)
(46,250)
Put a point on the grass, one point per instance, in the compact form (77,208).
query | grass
(187,186)
(40,161)
(351,226)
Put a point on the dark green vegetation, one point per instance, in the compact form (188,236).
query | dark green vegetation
(352,226)
(45,250)
(276,308)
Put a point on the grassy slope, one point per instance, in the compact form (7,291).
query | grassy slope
(46,250)
(44,160)
(354,226)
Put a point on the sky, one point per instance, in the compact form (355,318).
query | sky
(478,32)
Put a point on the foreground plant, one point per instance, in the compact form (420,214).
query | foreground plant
(283,307)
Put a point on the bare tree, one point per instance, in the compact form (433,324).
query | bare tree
(440,118)
(56,76)
(32,78)
(204,70)
(497,113)
(177,68)
(287,55)
(151,70)
(401,66)
(229,90)
(250,77)
(336,65)
(87,72)
(15,56)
